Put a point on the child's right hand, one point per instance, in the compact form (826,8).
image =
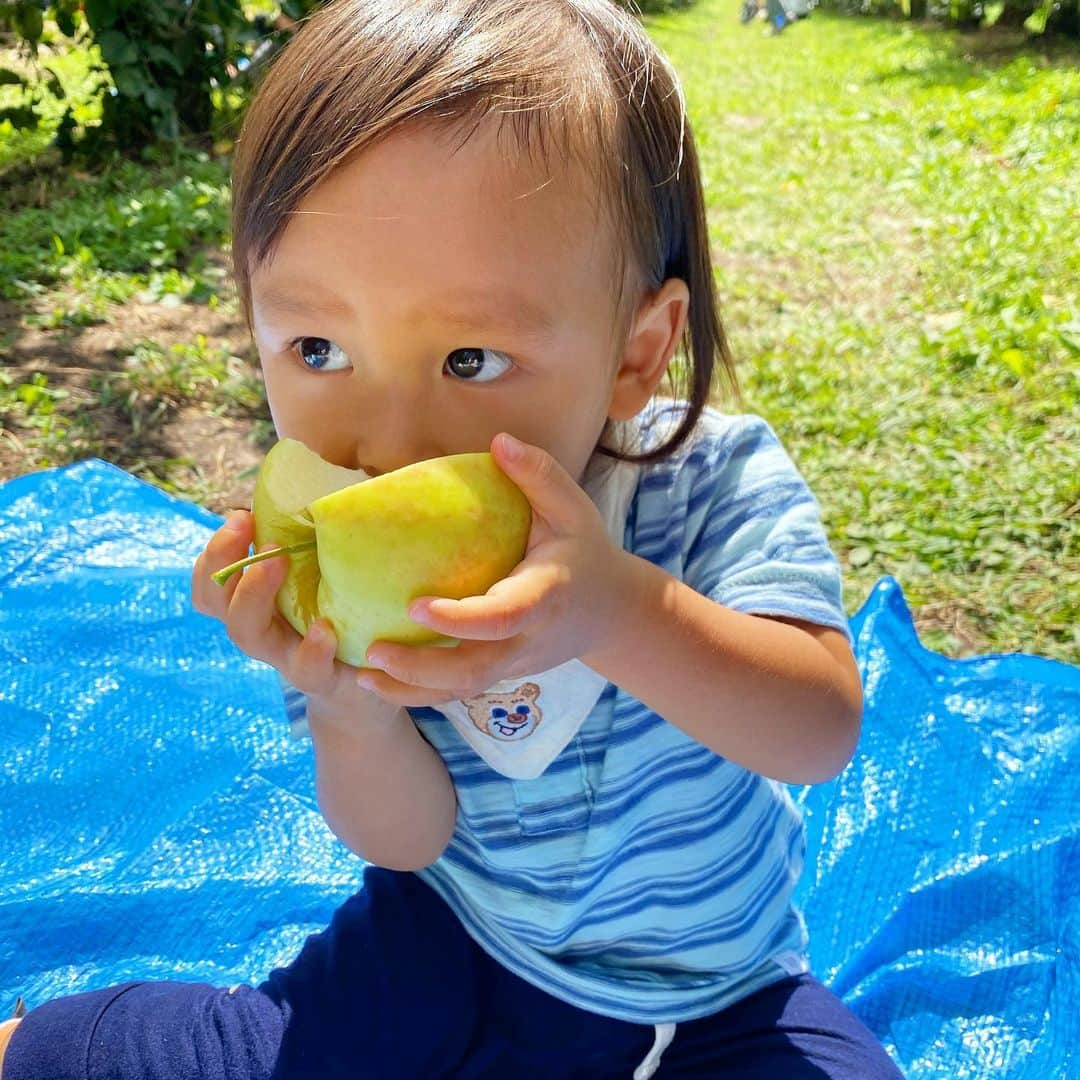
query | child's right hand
(370,758)
(246,605)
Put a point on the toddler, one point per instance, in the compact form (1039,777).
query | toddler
(463,225)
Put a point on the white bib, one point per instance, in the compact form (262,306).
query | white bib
(519,726)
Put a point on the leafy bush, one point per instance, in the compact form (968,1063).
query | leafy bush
(164,60)
(649,7)
(1037,16)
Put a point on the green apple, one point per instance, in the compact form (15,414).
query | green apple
(361,548)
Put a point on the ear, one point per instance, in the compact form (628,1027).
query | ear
(655,332)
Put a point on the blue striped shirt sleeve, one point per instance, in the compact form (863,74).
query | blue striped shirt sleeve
(295,709)
(754,540)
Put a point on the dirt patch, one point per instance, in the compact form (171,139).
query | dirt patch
(203,449)
(66,350)
(955,618)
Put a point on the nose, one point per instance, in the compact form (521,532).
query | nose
(394,428)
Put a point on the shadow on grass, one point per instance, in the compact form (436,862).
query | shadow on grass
(964,57)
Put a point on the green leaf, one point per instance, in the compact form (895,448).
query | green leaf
(992,12)
(117,48)
(29,22)
(165,56)
(130,81)
(293,8)
(1070,337)
(101,13)
(1018,362)
(157,99)
(1035,23)
(65,21)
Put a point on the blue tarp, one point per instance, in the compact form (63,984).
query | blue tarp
(157,822)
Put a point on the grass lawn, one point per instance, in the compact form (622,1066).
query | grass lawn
(895,216)
(896,225)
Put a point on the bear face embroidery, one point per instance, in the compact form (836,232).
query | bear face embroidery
(507,717)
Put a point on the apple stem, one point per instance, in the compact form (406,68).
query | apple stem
(227,572)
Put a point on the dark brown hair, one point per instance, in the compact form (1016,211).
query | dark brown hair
(580,77)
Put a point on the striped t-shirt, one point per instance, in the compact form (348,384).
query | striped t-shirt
(642,876)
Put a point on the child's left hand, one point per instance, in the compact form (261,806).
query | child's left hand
(554,606)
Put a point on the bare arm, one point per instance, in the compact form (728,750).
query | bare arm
(383,790)
(780,697)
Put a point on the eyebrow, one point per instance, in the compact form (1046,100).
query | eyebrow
(506,311)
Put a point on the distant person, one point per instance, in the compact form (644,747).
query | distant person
(778,13)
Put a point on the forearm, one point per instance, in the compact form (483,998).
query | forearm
(773,697)
(382,789)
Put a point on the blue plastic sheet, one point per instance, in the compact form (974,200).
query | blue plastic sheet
(157,822)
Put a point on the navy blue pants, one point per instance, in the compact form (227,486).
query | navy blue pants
(394,989)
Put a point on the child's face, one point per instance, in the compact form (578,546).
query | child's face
(422,300)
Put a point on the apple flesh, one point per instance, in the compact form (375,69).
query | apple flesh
(291,477)
(362,549)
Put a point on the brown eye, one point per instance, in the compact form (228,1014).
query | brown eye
(477,365)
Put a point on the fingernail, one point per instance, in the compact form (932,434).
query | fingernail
(512,449)
(317,634)
(234,521)
(374,658)
(365,682)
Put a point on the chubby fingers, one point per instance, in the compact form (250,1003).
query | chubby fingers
(314,670)
(312,665)
(449,673)
(406,695)
(247,605)
(252,621)
(228,545)
(552,492)
(246,602)
(507,609)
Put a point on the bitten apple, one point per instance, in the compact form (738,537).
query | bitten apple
(361,548)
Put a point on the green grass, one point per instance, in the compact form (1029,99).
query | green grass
(129,228)
(897,242)
(897,237)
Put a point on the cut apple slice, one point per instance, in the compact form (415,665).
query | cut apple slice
(290,479)
(361,549)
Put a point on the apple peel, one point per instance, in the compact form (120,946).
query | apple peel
(362,548)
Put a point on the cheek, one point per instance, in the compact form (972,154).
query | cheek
(570,446)
(282,404)
(300,407)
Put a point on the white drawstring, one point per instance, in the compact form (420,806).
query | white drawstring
(664,1034)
